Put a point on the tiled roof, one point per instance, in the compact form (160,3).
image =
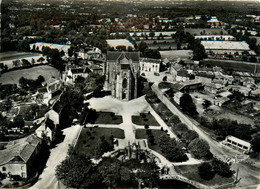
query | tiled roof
(23,148)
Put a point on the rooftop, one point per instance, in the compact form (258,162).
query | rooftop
(239,141)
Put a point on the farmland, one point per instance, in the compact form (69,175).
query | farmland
(13,77)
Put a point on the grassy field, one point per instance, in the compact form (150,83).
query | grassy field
(89,137)
(147,119)
(191,172)
(13,77)
(106,118)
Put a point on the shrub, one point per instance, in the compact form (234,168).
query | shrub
(221,168)
(205,171)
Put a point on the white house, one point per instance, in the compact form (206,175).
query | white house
(150,65)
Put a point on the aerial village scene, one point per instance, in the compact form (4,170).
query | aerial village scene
(129,94)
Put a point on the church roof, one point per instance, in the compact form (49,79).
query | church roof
(114,56)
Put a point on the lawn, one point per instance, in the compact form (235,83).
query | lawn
(13,77)
(89,137)
(141,134)
(191,172)
(108,118)
(145,118)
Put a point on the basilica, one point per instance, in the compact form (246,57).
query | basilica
(122,71)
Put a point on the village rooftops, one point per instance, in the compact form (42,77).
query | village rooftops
(80,70)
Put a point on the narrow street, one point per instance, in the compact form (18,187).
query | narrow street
(47,179)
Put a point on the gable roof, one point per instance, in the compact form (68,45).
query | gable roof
(23,148)
(115,55)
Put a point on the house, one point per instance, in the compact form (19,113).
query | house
(48,127)
(244,90)
(49,91)
(237,144)
(204,76)
(150,65)
(182,75)
(73,72)
(95,68)
(212,87)
(222,78)
(20,157)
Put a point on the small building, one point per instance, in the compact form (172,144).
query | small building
(20,157)
(150,65)
(220,101)
(72,73)
(204,76)
(237,144)
(182,75)
(212,87)
(177,97)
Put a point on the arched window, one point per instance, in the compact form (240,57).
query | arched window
(124,85)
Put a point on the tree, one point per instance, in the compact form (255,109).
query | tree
(221,168)
(109,169)
(187,105)
(206,104)
(200,149)
(94,82)
(70,52)
(41,59)
(76,171)
(103,146)
(189,136)
(33,61)
(256,143)
(142,46)
(171,148)
(205,171)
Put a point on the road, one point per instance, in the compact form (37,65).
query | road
(249,174)
(47,179)
(215,147)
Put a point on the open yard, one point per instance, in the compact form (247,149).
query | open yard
(89,137)
(191,172)
(13,77)
(145,118)
(108,118)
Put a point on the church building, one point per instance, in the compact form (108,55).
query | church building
(122,70)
